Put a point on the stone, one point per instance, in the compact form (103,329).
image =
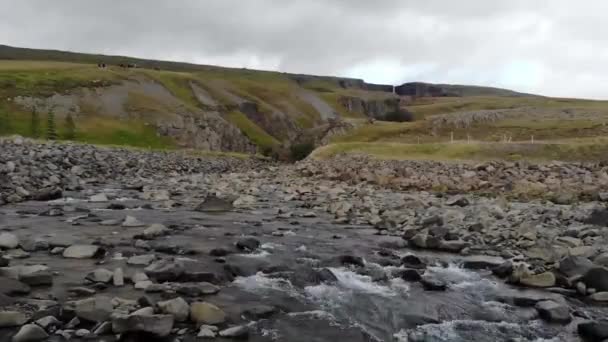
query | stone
(214,204)
(157,325)
(30,333)
(419,240)
(237,332)
(596,278)
(574,265)
(165,270)
(503,270)
(12,287)
(37,278)
(432,284)
(599,297)
(131,222)
(546,279)
(601,260)
(460,201)
(48,323)
(155,231)
(139,276)
(206,313)
(141,260)
(206,332)
(12,319)
(83,252)
(100,275)
(143,285)
(553,312)
(454,246)
(96,309)
(99,198)
(177,307)
(82,332)
(248,244)
(196,290)
(593,331)
(482,262)
(410,275)
(8,241)
(57,250)
(118,277)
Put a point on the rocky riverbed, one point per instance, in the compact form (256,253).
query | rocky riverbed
(158,246)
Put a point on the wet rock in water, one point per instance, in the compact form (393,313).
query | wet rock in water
(409,275)
(527,298)
(154,231)
(431,283)
(503,270)
(12,319)
(259,312)
(116,206)
(83,252)
(49,323)
(346,260)
(596,278)
(419,240)
(47,194)
(37,278)
(238,332)
(177,307)
(96,309)
(99,198)
(131,222)
(574,265)
(412,261)
(248,244)
(139,276)
(195,290)
(453,246)
(118,278)
(599,297)
(8,241)
(156,325)
(100,275)
(12,287)
(141,260)
(553,312)
(593,331)
(546,279)
(214,204)
(207,331)
(30,333)
(165,270)
(482,262)
(206,313)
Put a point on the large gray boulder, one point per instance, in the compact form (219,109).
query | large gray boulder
(158,325)
(96,309)
(8,241)
(83,252)
(574,265)
(177,307)
(554,312)
(596,278)
(30,333)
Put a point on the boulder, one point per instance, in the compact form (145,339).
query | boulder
(100,275)
(99,198)
(141,260)
(431,283)
(8,241)
(546,279)
(83,252)
(481,262)
(238,332)
(12,319)
(11,287)
(259,312)
(131,222)
(553,312)
(30,333)
(572,266)
(593,331)
(165,270)
(157,325)
(599,297)
(206,313)
(196,290)
(412,261)
(459,201)
(596,278)
(96,309)
(48,322)
(155,231)
(177,307)
(248,244)
(207,331)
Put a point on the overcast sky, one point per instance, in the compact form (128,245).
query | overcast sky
(551,47)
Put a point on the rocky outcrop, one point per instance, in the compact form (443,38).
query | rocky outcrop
(372,108)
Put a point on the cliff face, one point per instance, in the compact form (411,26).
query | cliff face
(371,108)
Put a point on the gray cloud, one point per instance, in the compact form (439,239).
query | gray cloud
(543,46)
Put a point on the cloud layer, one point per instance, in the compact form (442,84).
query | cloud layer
(551,47)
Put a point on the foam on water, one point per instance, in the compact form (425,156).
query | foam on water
(259,282)
(257,254)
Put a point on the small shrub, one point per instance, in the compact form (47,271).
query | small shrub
(401,115)
(300,151)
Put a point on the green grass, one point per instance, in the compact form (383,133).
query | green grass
(177,83)
(568,150)
(254,132)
